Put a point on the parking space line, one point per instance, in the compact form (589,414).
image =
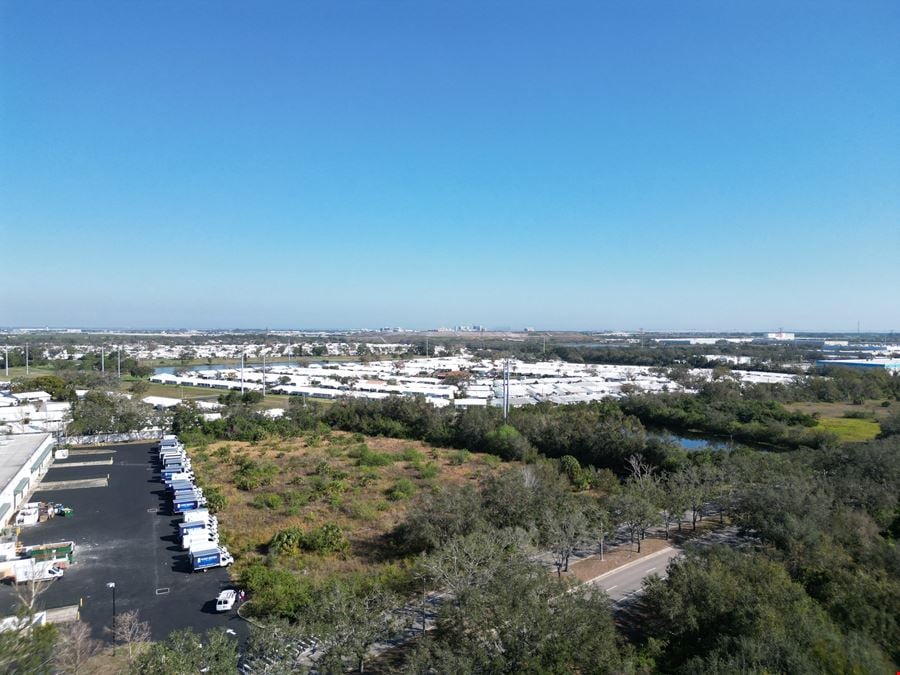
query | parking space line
(73,484)
(99,462)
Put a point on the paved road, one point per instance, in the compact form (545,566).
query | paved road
(624,582)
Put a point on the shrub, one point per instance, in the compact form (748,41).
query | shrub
(460,457)
(402,489)
(360,510)
(215,499)
(428,471)
(366,457)
(859,415)
(411,455)
(251,474)
(329,538)
(275,591)
(287,540)
(296,498)
(491,460)
(268,500)
(366,476)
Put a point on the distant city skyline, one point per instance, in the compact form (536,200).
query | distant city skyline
(691,166)
(274,330)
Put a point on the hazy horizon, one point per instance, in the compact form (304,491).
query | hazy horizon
(449,329)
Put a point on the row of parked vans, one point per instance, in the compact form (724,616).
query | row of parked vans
(198,529)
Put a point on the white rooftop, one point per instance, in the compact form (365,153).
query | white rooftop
(15,452)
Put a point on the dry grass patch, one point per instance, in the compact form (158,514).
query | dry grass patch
(872,407)
(361,484)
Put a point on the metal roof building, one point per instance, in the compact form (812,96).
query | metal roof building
(891,365)
(24,459)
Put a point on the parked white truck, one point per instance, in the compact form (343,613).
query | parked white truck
(29,569)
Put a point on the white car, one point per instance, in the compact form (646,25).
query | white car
(226,600)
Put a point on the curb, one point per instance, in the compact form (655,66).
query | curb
(630,564)
(248,619)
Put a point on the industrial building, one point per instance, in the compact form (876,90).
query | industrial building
(24,459)
(891,365)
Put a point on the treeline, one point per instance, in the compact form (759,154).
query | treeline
(736,417)
(818,592)
(100,413)
(812,587)
(847,385)
(599,434)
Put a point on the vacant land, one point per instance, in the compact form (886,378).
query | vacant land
(851,423)
(875,408)
(850,430)
(361,485)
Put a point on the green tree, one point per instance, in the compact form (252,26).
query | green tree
(635,511)
(185,652)
(58,388)
(510,616)
(724,611)
(347,621)
(440,515)
(561,529)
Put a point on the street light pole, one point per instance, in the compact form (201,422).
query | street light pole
(112,585)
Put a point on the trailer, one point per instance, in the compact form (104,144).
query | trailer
(202,539)
(180,506)
(195,514)
(172,452)
(187,529)
(175,459)
(190,495)
(204,559)
(185,475)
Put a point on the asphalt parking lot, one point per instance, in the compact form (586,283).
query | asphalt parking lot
(123,533)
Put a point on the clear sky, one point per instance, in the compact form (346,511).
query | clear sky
(665,165)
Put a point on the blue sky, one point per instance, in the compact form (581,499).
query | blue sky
(689,165)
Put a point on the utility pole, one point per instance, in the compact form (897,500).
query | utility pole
(26,358)
(119,362)
(242,372)
(6,357)
(506,391)
(102,359)
(112,585)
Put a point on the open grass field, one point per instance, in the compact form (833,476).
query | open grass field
(850,430)
(362,485)
(872,407)
(33,371)
(833,418)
